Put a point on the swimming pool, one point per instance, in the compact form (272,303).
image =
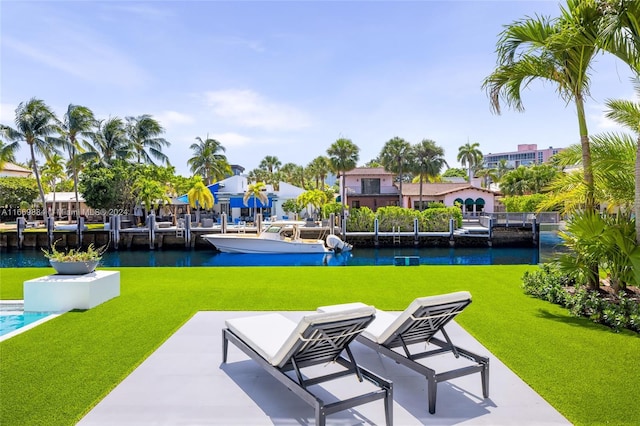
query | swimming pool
(13,319)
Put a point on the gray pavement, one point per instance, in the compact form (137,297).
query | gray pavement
(185,383)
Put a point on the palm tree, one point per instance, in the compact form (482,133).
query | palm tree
(627,113)
(34,122)
(208,160)
(256,190)
(470,156)
(78,121)
(319,168)
(557,50)
(614,157)
(52,171)
(8,152)
(271,165)
(143,133)
(343,156)
(395,157)
(428,161)
(200,196)
(314,198)
(292,173)
(108,143)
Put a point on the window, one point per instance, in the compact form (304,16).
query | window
(355,204)
(370,186)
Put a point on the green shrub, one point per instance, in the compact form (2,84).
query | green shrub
(360,220)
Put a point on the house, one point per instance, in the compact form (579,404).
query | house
(472,199)
(13,170)
(371,187)
(65,203)
(526,154)
(228,195)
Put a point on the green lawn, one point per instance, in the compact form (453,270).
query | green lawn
(58,371)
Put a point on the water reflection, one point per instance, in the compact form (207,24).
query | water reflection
(359,257)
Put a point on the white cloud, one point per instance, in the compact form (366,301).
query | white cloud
(82,57)
(248,108)
(599,123)
(169,119)
(230,139)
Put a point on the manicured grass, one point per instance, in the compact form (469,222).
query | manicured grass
(58,371)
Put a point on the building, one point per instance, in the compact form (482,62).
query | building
(228,195)
(13,170)
(473,200)
(525,155)
(371,187)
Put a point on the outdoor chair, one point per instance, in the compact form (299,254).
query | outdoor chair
(284,348)
(393,336)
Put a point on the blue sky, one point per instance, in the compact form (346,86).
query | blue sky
(288,78)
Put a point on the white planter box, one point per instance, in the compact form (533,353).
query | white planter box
(57,293)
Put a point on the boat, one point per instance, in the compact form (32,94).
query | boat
(277,237)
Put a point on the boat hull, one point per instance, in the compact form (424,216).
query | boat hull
(248,243)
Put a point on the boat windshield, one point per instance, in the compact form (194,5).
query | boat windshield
(273,229)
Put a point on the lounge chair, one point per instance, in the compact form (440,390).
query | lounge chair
(280,345)
(392,336)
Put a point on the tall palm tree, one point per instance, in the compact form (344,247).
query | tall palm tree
(78,122)
(271,165)
(208,160)
(470,156)
(34,121)
(558,50)
(108,142)
(319,168)
(395,158)
(620,36)
(52,172)
(627,113)
(343,156)
(428,161)
(257,191)
(144,136)
(293,174)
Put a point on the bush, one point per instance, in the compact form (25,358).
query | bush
(550,284)
(360,220)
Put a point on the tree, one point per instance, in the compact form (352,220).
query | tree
(52,171)
(77,122)
(17,190)
(144,139)
(627,113)
(34,122)
(319,168)
(256,190)
(343,156)
(455,172)
(292,173)
(395,157)
(314,198)
(8,152)
(470,156)
(557,50)
(200,196)
(108,143)
(428,161)
(150,193)
(208,160)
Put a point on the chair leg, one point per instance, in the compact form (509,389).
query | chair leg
(388,405)
(225,346)
(432,392)
(320,416)
(484,374)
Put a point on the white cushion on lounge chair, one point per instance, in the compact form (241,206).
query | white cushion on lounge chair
(385,324)
(273,336)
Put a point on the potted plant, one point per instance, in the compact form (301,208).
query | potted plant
(74,261)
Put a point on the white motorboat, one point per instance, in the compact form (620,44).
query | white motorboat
(278,237)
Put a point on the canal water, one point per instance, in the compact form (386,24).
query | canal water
(358,257)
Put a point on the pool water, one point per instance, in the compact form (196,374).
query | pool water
(11,321)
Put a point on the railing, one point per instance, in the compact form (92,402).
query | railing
(519,219)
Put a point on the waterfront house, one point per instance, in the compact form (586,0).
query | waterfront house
(473,200)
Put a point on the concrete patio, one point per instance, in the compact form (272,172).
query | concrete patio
(185,383)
